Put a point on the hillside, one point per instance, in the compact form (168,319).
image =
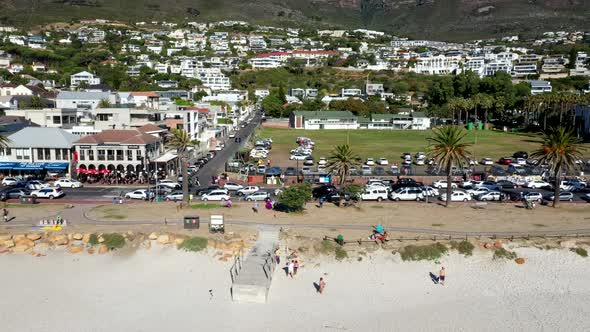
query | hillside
(446,19)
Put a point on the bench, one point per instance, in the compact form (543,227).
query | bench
(480,205)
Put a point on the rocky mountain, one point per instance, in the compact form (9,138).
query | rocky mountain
(447,19)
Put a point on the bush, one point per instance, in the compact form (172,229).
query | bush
(113,241)
(580,251)
(327,247)
(425,252)
(195,244)
(293,198)
(340,253)
(93,240)
(463,247)
(503,253)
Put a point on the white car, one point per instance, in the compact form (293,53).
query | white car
(370,162)
(258,196)
(456,196)
(139,194)
(36,185)
(520,161)
(169,184)
(420,155)
(377,185)
(298,156)
(322,161)
(478,191)
(537,184)
(487,161)
(216,195)
(375,194)
(67,183)
(232,135)
(383,162)
(50,193)
(407,194)
(10,181)
(430,191)
(174,196)
(440,184)
(492,195)
(419,162)
(233,186)
(247,190)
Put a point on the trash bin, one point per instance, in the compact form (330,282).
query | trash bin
(28,200)
(480,126)
(192,222)
(470,126)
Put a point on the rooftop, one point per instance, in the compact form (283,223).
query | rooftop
(119,137)
(42,137)
(325,114)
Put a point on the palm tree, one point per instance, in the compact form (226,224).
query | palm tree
(560,149)
(448,149)
(341,160)
(181,141)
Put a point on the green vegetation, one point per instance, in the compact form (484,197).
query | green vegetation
(225,121)
(463,247)
(194,244)
(113,241)
(93,240)
(341,160)
(293,198)
(206,206)
(340,253)
(326,247)
(423,252)
(502,253)
(580,251)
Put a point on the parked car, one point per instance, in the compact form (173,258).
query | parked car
(505,184)
(492,195)
(383,161)
(36,185)
(521,161)
(308,161)
(572,185)
(563,196)
(323,190)
(258,196)
(478,191)
(531,196)
(298,156)
(247,190)
(50,193)
(290,171)
(322,161)
(204,190)
(407,194)
(420,155)
(67,183)
(140,194)
(261,169)
(370,162)
(169,184)
(366,170)
(174,196)
(216,195)
(232,186)
(374,194)
(487,161)
(9,181)
(440,184)
(14,193)
(379,171)
(521,154)
(537,184)
(430,191)
(419,162)
(492,185)
(456,196)
(505,161)
(336,197)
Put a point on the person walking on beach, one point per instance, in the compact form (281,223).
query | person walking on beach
(295,267)
(291,268)
(322,285)
(255,207)
(441,276)
(5,214)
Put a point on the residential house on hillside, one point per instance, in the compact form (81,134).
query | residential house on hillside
(84,100)
(538,87)
(83,77)
(8,102)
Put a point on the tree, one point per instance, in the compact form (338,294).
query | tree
(293,198)
(104,103)
(36,102)
(559,149)
(181,141)
(448,149)
(341,160)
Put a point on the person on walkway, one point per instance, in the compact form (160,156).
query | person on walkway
(291,268)
(441,276)
(321,201)
(295,267)
(255,207)
(322,285)
(278,256)
(5,214)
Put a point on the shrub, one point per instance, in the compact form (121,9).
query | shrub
(503,253)
(580,251)
(463,247)
(340,253)
(425,252)
(113,241)
(93,240)
(327,247)
(195,244)
(293,198)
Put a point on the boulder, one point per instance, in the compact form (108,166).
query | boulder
(147,244)
(519,260)
(568,244)
(75,249)
(103,250)
(78,236)
(178,241)
(4,249)
(59,239)
(164,239)
(86,238)
(91,251)
(34,236)
(20,248)
(41,248)
(100,239)
(8,243)
(487,245)
(5,237)
(498,244)
(25,242)
(153,236)
(18,237)
(70,237)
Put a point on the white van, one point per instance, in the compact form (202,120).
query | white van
(408,194)
(374,194)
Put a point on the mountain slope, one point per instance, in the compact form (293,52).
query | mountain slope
(447,19)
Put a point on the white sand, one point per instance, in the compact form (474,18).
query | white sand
(167,290)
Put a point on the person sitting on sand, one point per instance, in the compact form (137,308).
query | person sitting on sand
(441,276)
(322,285)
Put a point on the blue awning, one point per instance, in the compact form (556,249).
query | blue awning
(56,166)
(7,165)
(28,166)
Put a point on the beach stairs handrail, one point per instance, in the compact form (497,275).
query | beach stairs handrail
(234,271)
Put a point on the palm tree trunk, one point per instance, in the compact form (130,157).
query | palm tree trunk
(183,167)
(449,187)
(556,188)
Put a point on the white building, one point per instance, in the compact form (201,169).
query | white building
(437,65)
(313,120)
(269,60)
(85,77)
(539,87)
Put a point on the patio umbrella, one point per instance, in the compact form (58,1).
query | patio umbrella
(104,171)
(92,171)
(80,170)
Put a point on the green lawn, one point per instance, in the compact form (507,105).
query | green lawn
(392,143)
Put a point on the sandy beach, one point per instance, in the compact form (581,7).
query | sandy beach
(164,289)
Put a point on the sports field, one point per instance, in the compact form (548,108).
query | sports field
(391,144)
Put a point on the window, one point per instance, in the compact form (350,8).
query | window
(47,153)
(40,154)
(90,155)
(129,155)
(66,154)
(110,154)
(57,154)
(101,154)
(82,155)
(119,154)
(138,154)
(57,119)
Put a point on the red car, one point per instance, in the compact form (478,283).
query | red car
(505,161)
